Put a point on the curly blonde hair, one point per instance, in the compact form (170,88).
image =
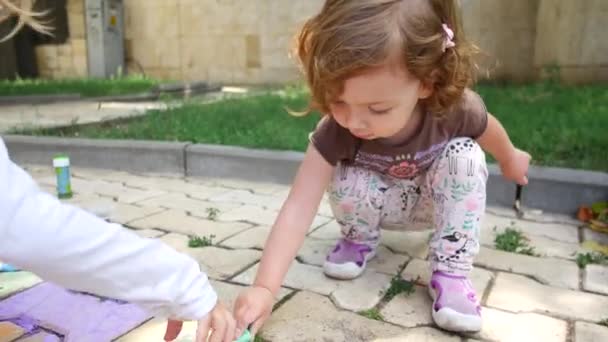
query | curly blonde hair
(350,36)
(22,9)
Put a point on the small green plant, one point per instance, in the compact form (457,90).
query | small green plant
(514,241)
(198,242)
(372,314)
(583,259)
(212,213)
(258,339)
(399,285)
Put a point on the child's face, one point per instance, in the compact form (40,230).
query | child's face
(378,103)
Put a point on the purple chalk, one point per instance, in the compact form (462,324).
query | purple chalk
(78,317)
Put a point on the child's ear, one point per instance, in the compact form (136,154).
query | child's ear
(426,86)
(425,90)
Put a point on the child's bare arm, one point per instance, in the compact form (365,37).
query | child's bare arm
(254,305)
(513,162)
(294,219)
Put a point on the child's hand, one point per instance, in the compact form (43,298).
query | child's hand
(253,307)
(219,321)
(516,167)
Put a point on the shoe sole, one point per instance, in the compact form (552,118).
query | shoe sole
(451,320)
(346,271)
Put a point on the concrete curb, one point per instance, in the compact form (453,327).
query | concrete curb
(122,155)
(245,163)
(551,189)
(184,89)
(38,99)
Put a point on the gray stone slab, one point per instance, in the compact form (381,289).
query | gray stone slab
(516,293)
(122,155)
(238,162)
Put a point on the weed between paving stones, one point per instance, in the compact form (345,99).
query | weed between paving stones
(212,213)
(198,242)
(514,241)
(372,314)
(399,285)
(583,259)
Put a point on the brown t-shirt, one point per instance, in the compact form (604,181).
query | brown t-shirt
(468,118)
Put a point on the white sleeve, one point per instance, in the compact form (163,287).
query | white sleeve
(75,249)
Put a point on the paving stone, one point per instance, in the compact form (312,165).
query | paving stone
(592,235)
(181,202)
(40,337)
(362,293)
(328,231)
(517,293)
(109,176)
(116,190)
(174,185)
(250,238)
(179,222)
(412,243)
(256,187)
(314,252)
(273,202)
(148,233)
(587,332)
(154,330)
(10,331)
(250,213)
(420,269)
(554,231)
(310,317)
(228,293)
(325,208)
(549,271)
(299,276)
(218,263)
(596,278)
(79,316)
(533,216)
(544,246)
(525,327)
(124,213)
(13,282)
(411,310)
(94,204)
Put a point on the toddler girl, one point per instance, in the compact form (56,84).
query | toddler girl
(399,147)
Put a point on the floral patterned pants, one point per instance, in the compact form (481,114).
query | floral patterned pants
(450,197)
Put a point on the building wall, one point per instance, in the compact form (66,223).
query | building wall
(248,41)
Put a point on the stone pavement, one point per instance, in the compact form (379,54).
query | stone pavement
(525,298)
(28,116)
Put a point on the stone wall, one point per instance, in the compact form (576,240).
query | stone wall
(67,60)
(247,41)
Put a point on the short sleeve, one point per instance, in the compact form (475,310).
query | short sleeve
(334,142)
(470,118)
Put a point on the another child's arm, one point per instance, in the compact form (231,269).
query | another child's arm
(255,304)
(513,161)
(73,248)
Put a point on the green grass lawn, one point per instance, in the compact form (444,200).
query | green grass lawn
(559,125)
(85,87)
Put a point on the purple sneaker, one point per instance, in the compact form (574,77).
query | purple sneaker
(348,259)
(455,305)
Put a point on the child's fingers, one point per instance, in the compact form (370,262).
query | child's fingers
(219,326)
(202,330)
(255,327)
(230,328)
(173,329)
(241,323)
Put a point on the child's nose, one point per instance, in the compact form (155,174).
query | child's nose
(355,122)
